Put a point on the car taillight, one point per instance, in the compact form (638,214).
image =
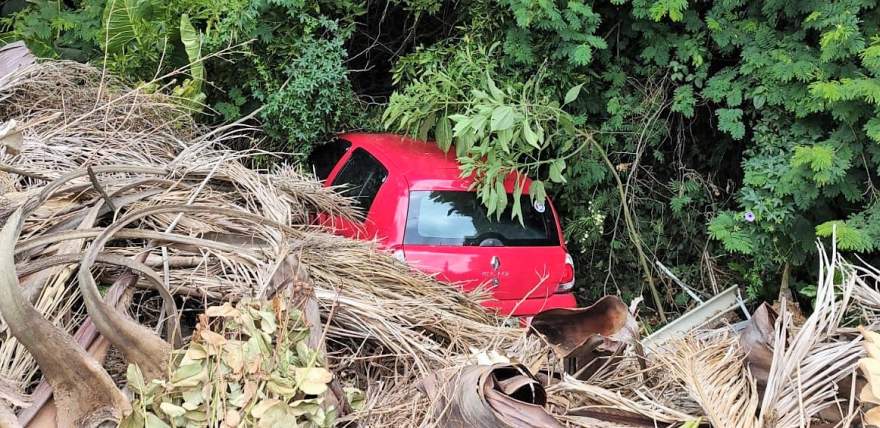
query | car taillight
(567,281)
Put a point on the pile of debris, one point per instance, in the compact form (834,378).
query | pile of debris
(151,276)
(105,190)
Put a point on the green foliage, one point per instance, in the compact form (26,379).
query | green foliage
(191,89)
(314,97)
(285,55)
(846,237)
(860,232)
(563,32)
(672,8)
(789,91)
(730,229)
(499,131)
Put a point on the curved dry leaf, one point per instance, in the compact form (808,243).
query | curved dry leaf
(870,367)
(259,410)
(194,353)
(867,395)
(756,342)
(500,395)
(872,349)
(870,336)
(212,338)
(84,393)
(872,417)
(226,310)
(568,330)
(232,418)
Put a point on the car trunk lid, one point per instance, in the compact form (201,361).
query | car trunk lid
(449,233)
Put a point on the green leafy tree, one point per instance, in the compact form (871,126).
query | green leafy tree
(284,56)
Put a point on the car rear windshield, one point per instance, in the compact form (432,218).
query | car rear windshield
(458,218)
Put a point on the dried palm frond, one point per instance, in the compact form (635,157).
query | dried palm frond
(714,375)
(808,363)
(613,406)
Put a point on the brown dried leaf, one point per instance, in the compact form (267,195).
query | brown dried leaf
(568,330)
(226,310)
(867,395)
(872,417)
(756,342)
(500,395)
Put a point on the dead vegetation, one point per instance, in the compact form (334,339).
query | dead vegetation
(118,188)
(114,191)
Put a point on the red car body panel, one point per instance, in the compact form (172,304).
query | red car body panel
(523,280)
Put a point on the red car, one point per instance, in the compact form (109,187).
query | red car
(418,207)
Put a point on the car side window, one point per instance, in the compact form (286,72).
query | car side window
(325,156)
(362,177)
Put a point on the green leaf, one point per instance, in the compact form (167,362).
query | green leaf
(135,379)
(462,124)
(443,133)
(172,410)
(730,121)
(502,118)
(537,192)
(572,94)
(497,94)
(725,229)
(683,100)
(504,138)
(501,196)
(692,424)
(758,101)
(516,211)
(673,8)
(872,129)
(848,238)
(556,168)
(530,135)
(426,126)
(153,421)
(581,55)
(193,44)
(187,374)
(121,21)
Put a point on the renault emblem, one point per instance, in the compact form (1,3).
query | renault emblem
(496,263)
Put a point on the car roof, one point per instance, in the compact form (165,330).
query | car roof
(422,164)
(406,156)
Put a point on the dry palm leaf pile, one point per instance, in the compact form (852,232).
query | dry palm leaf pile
(112,198)
(112,189)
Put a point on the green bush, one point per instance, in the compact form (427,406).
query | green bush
(284,56)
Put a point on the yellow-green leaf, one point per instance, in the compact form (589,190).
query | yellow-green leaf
(312,380)
(172,410)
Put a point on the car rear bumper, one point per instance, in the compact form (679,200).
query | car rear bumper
(530,307)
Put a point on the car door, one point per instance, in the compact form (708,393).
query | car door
(361,178)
